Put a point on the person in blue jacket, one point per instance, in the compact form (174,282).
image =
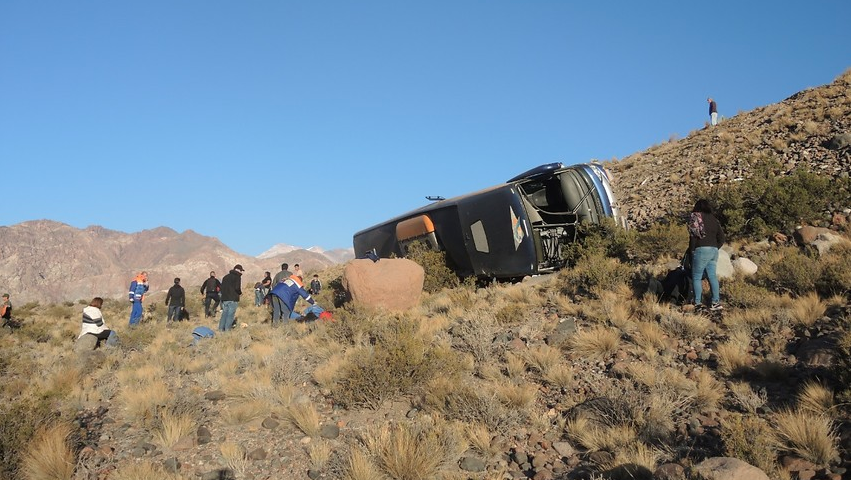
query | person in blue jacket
(138,288)
(284,296)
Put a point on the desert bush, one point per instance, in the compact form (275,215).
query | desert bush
(20,419)
(815,398)
(48,455)
(749,438)
(595,343)
(810,436)
(790,270)
(146,470)
(740,292)
(594,273)
(769,201)
(660,239)
(836,271)
(469,403)
(438,274)
(304,417)
(398,361)
(604,239)
(415,452)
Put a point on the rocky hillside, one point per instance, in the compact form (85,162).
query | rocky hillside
(809,130)
(50,261)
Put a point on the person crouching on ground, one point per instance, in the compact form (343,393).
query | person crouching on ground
(93,321)
(284,296)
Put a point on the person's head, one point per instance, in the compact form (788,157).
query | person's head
(5,296)
(212,274)
(96,302)
(296,266)
(316,276)
(268,274)
(238,268)
(177,281)
(702,206)
(285,266)
(709,100)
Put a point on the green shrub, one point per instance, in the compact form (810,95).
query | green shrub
(599,239)
(751,439)
(594,273)
(770,201)
(836,271)
(739,292)
(397,362)
(660,239)
(438,274)
(790,270)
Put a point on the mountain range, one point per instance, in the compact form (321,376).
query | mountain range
(44,260)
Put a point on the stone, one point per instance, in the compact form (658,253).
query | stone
(171,465)
(220,474)
(215,395)
(745,266)
(313,474)
(792,463)
(670,471)
(329,431)
(839,141)
(724,267)
(601,457)
(825,241)
(807,234)
(183,444)
(543,474)
(270,423)
(564,449)
(394,284)
(472,464)
(86,343)
(257,454)
(727,468)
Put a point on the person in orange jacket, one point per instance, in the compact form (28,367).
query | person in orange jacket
(138,288)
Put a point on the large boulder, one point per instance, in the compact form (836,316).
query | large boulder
(808,234)
(728,468)
(745,266)
(390,283)
(724,267)
(86,343)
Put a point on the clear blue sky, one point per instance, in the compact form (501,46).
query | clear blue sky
(267,122)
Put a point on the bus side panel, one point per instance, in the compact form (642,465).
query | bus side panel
(497,234)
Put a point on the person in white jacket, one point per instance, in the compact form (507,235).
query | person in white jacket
(93,321)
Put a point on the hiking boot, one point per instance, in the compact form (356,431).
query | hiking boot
(716,307)
(699,308)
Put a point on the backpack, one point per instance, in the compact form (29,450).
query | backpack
(201,332)
(695,225)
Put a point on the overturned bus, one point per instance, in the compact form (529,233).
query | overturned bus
(507,231)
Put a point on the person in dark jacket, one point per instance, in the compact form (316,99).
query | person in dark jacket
(281,276)
(713,112)
(706,236)
(315,285)
(284,297)
(210,290)
(231,290)
(5,310)
(176,300)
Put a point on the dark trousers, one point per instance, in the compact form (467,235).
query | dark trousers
(173,313)
(207,311)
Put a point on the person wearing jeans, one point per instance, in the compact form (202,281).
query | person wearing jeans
(284,297)
(705,238)
(231,290)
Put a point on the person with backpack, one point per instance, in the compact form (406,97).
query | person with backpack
(136,294)
(176,300)
(210,291)
(706,236)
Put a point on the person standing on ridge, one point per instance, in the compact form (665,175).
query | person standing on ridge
(136,294)
(210,291)
(231,290)
(713,112)
(284,274)
(176,300)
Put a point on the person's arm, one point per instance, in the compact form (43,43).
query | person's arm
(167,297)
(720,236)
(306,296)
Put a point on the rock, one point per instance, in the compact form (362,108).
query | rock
(792,463)
(807,234)
(313,474)
(726,468)
(215,395)
(329,431)
(744,266)
(817,352)
(390,283)
(670,471)
(257,454)
(543,474)
(839,142)
(171,465)
(183,444)
(86,343)
(220,474)
(564,449)
(779,238)
(724,268)
(601,457)
(825,241)
(472,464)
(270,423)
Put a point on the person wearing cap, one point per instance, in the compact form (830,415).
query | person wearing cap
(6,310)
(231,290)
(284,297)
(176,300)
(138,288)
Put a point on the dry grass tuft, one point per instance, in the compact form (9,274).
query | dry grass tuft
(304,417)
(812,437)
(708,392)
(48,456)
(596,343)
(515,366)
(543,358)
(751,439)
(414,452)
(745,397)
(807,309)
(596,437)
(815,398)
(244,412)
(560,375)
(173,426)
(480,438)
(234,456)
(682,325)
(361,467)
(519,396)
(141,402)
(320,454)
(733,356)
(143,471)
